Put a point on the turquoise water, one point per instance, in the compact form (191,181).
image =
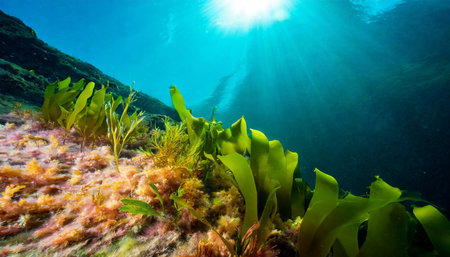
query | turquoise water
(357,88)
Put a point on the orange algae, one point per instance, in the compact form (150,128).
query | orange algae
(11,190)
(34,168)
(209,246)
(10,126)
(228,202)
(228,226)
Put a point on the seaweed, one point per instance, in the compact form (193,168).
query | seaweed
(180,204)
(269,162)
(210,134)
(140,207)
(91,121)
(436,226)
(332,223)
(68,117)
(267,177)
(234,139)
(172,147)
(268,159)
(120,129)
(246,184)
(78,106)
(92,116)
(263,173)
(328,217)
(57,95)
(270,182)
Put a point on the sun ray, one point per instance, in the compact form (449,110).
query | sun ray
(243,15)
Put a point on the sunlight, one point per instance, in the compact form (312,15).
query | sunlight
(244,15)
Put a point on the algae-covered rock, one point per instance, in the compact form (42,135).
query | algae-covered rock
(27,65)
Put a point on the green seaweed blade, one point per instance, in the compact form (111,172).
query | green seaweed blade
(80,104)
(387,232)
(437,227)
(178,103)
(244,178)
(323,202)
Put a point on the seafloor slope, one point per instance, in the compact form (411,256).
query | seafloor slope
(57,199)
(28,65)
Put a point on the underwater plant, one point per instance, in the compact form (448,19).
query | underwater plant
(91,121)
(258,206)
(437,227)
(252,243)
(68,117)
(180,204)
(249,244)
(267,158)
(268,175)
(82,108)
(140,207)
(120,129)
(171,147)
(214,139)
(60,94)
(269,163)
(247,186)
(270,183)
(333,223)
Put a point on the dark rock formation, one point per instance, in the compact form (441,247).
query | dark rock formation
(28,65)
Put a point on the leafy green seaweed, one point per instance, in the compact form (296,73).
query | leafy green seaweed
(436,226)
(270,183)
(178,103)
(333,223)
(327,216)
(322,203)
(78,106)
(234,139)
(59,95)
(387,232)
(140,207)
(301,194)
(210,133)
(244,178)
(270,162)
(91,122)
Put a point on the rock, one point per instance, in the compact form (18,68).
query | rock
(16,81)
(8,118)
(28,65)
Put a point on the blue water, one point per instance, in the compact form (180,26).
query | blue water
(358,88)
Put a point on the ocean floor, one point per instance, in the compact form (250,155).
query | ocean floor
(64,196)
(57,199)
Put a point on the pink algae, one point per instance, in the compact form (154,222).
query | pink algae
(65,196)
